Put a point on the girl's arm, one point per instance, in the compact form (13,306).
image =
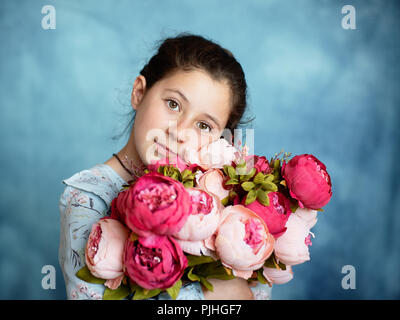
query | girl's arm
(79,210)
(235,289)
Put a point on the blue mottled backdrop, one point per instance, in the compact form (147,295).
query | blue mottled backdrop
(314,87)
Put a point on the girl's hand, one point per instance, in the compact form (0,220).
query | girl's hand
(235,289)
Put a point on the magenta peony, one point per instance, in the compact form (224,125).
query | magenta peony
(259,162)
(154,204)
(308,181)
(154,262)
(275,215)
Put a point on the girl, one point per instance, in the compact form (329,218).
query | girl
(184,98)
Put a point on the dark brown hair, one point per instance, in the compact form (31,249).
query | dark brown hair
(187,52)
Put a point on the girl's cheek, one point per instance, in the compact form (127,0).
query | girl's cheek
(201,140)
(155,117)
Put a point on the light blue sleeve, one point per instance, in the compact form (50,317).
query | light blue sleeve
(189,291)
(79,210)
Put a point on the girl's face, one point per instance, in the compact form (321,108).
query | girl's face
(184,110)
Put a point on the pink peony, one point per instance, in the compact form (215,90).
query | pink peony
(212,181)
(308,181)
(242,241)
(292,247)
(309,216)
(204,217)
(154,262)
(213,155)
(276,276)
(155,204)
(197,248)
(105,248)
(275,215)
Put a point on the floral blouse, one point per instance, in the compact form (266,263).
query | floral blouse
(85,199)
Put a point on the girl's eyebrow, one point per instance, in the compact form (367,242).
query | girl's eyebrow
(212,119)
(184,98)
(178,92)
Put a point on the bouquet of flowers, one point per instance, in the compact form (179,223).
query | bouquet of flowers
(219,213)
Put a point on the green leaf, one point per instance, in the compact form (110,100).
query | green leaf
(269,177)
(241,164)
(241,171)
(248,176)
(220,274)
(175,175)
(282,265)
(188,184)
(248,185)
(277,175)
(277,164)
(231,172)
(294,205)
(205,271)
(200,278)
(260,277)
(259,178)
(269,186)
(191,276)
(118,294)
(195,260)
(170,171)
(262,196)
(85,275)
(186,174)
(174,290)
(206,283)
(251,197)
(231,182)
(272,263)
(141,293)
(225,201)
(225,169)
(232,194)
(213,270)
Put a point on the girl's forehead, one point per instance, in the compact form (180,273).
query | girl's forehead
(196,77)
(196,88)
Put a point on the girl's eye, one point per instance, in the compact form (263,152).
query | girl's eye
(204,126)
(173,105)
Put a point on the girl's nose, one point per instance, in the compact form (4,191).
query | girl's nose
(177,131)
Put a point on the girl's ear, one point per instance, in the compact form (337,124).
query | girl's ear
(138,90)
